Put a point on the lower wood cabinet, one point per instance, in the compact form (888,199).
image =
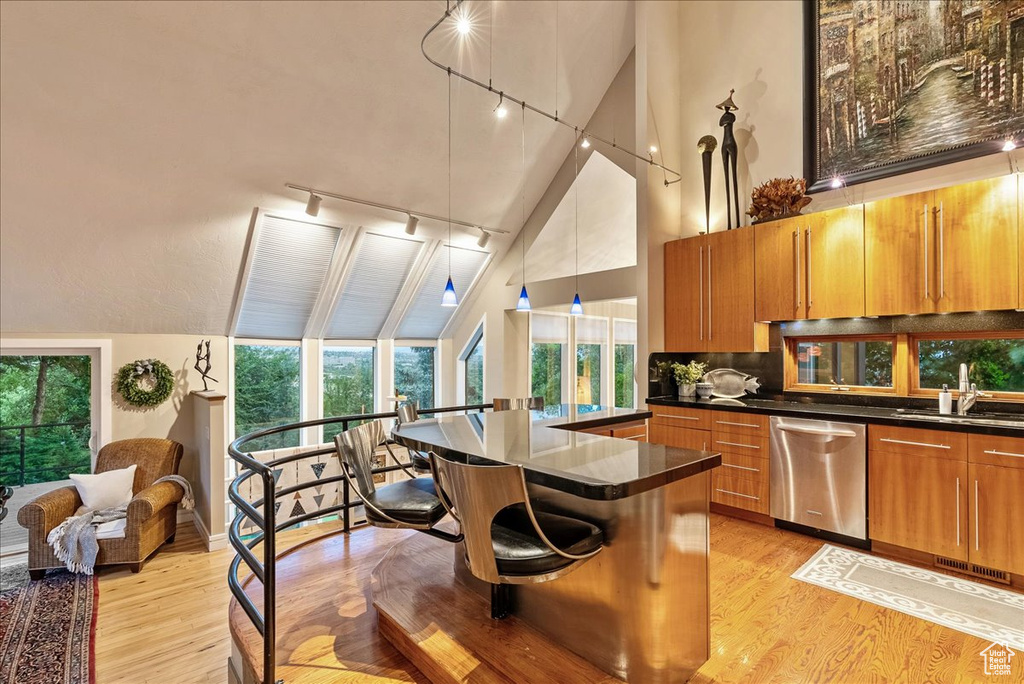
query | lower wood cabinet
(682,438)
(950,494)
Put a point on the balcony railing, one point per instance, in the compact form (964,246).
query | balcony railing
(262,513)
(25,441)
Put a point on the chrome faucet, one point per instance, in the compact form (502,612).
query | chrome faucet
(968,393)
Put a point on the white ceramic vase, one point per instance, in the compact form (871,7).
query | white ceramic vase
(686,391)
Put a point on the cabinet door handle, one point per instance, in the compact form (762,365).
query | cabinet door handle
(710,304)
(745,496)
(1003,453)
(942,252)
(796,267)
(810,297)
(958,511)
(739,467)
(920,444)
(976,527)
(738,444)
(700,280)
(668,415)
(926,251)
(727,422)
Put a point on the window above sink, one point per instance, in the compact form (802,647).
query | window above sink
(995,361)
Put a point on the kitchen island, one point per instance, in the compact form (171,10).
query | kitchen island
(639,610)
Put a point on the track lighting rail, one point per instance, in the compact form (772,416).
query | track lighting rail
(390,207)
(505,96)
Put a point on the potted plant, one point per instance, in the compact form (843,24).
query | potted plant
(687,376)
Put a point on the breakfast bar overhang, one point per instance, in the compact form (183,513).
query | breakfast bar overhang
(639,610)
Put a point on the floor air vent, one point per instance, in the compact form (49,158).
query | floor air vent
(972,569)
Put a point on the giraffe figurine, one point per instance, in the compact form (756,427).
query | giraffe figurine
(729,151)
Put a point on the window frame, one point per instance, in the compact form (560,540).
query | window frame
(304,371)
(568,384)
(476,339)
(791,365)
(914,371)
(378,389)
(395,344)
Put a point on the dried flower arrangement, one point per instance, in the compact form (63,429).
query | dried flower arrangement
(777,198)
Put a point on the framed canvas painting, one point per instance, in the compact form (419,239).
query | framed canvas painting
(898,85)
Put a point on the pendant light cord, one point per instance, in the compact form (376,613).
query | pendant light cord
(576,194)
(556,60)
(449,173)
(522,230)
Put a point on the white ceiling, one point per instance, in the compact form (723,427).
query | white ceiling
(137,138)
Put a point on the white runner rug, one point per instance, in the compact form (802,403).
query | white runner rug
(971,607)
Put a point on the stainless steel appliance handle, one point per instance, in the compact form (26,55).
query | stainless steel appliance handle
(668,415)
(926,251)
(815,431)
(738,444)
(958,511)
(976,528)
(700,280)
(810,297)
(1003,453)
(745,496)
(921,444)
(942,251)
(727,422)
(796,267)
(739,467)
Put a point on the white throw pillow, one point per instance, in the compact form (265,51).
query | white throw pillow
(105,490)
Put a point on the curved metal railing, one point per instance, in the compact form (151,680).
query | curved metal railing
(262,513)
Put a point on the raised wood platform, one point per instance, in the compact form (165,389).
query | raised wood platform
(446,629)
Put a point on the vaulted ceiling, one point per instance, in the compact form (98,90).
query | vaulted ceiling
(136,139)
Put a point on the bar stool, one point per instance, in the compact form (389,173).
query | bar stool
(410,504)
(407,413)
(506,541)
(529,403)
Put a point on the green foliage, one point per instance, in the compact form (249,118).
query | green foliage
(348,381)
(689,373)
(475,374)
(140,386)
(995,364)
(267,393)
(546,380)
(51,453)
(414,375)
(624,360)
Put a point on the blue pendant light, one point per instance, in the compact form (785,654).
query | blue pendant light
(577,307)
(449,298)
(524,298)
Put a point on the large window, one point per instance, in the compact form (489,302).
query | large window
(865,363)
(995,361)
(348,380)
(625,361)
(591,343)
(473,368)
(549,349)
(267,392)
(414,375)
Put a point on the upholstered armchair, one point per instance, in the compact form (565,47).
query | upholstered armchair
(152,513)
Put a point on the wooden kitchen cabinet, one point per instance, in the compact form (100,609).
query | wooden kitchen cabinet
(977,244)
(899,270)
(679,437)
(996,510)
(709,294)
(918,502)
(954,249)
(810,266)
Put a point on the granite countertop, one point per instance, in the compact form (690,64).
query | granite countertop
(546,443)
(1013,425)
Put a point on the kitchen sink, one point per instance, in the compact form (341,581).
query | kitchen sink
(978,418)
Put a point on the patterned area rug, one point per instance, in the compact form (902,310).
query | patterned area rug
(47,635)
(971,607)
(13,575)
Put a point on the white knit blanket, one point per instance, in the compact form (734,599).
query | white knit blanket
(74,541)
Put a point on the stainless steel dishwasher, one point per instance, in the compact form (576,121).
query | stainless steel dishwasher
(819,475)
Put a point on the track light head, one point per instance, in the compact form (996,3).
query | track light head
(586,142)
(410,225)
(501,111)
(653,149)
(484,237)
(313,204)
(1009,145)
(463,24)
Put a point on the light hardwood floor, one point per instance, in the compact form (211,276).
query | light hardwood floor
(169,624)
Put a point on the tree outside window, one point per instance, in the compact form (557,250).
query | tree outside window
(625,357)
(546,373)
(414,375)
(996,365)
(267,393)
(474,361)
(348,381)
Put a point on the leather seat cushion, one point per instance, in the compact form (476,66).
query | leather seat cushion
(410,501)
(519,551)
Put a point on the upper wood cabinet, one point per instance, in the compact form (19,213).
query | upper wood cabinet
(709,294)
(954,249)
(810,266)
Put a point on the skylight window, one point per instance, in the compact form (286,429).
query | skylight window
(426,318)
